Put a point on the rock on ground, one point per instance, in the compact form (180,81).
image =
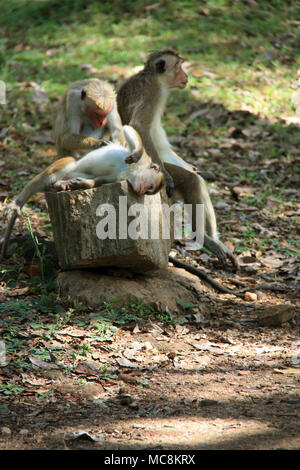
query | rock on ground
(163,286)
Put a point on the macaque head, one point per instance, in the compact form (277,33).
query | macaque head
(97,99)
(148,181)
(167,65)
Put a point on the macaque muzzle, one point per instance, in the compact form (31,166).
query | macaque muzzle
(98,118)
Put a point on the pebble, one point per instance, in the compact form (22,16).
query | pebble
(250,296)
(5,431)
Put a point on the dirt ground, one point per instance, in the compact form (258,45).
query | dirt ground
(216,381)
(216,377)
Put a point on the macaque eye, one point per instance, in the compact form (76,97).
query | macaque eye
(160,66)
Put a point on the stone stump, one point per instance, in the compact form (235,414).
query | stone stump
(100,226)
(171,289)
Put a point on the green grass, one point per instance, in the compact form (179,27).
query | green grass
(253,49)
(241,56)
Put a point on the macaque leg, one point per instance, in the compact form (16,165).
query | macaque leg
(192,189)
(78,182)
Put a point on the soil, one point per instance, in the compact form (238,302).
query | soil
(217,376)
(216,380)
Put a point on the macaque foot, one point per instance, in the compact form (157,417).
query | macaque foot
(75,183)
(234,261)
(12,206)
(221,251)
(79,183)
(62,186)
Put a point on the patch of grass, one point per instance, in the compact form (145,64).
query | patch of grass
(242,57)
(11,389)
(30,306)
(131,312)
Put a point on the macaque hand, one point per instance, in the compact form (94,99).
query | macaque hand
(105,142)
(169,183)
(133,158)
(100,143)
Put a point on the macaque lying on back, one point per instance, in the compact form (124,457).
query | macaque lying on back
(104,165)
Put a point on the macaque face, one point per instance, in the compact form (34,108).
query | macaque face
(148,181)
(175,75)
(98,116)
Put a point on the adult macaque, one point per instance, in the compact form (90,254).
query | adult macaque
(105,165)
(141,102)
(88,110)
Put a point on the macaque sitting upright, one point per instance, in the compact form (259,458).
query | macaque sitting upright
(141,103)
(87,112)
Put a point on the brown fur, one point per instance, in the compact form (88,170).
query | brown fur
(72,117)
(58,165)
(141,102)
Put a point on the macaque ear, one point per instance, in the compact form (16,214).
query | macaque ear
(160,66)
(155,167)
(83,94)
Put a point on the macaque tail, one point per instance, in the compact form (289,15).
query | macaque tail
(204,277)
(8,231)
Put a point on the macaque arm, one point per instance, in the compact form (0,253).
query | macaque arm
(134,144)
(114,125)
(144,132)
(73,142)
(71,139)
(141,121)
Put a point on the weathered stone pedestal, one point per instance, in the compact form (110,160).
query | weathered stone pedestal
(170,289)
(96,227)
(91,260)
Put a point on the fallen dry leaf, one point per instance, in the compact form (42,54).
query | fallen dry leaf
(288,371)
(271,261)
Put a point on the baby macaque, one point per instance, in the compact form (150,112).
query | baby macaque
(104,165)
